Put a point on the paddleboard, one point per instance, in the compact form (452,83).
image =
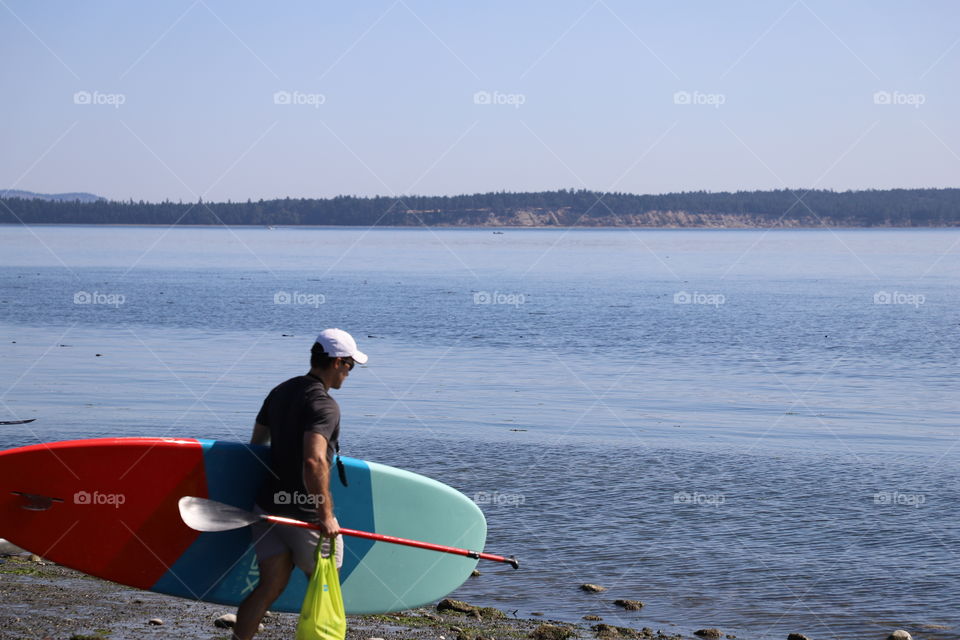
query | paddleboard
(108,507)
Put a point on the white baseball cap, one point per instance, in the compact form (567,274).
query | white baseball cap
(337,343)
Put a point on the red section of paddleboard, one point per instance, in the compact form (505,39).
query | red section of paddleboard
(117,516)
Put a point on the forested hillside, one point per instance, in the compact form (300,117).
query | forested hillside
(896,207)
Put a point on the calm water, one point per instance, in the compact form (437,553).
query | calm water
(778,454)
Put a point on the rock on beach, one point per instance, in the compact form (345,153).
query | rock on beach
(551,632)
(611,632)
(226,621)
(459,606)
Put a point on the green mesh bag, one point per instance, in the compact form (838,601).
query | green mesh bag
(322,616)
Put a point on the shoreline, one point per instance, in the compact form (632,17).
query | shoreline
(49,601)
(43,600)
(518,227)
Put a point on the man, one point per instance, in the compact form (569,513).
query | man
(301,423)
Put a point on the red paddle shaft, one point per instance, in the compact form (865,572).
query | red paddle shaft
(513,562)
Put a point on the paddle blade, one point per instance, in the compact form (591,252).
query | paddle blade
(208,515)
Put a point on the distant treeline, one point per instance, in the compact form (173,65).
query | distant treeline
(895,207)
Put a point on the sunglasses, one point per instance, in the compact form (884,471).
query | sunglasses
(351,363)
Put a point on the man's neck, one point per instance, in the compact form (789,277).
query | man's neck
(321,375)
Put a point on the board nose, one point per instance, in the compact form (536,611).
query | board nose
(107,507)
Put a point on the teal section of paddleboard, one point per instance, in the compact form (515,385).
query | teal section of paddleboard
(376,577)
(412,506)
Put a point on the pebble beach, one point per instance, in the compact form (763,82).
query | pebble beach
(46,601)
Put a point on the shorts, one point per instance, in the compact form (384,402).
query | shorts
(270,539)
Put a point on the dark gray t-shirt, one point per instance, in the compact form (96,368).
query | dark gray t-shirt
(295,407)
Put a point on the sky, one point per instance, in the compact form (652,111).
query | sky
(221,100)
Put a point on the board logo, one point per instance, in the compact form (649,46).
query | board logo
(252,579)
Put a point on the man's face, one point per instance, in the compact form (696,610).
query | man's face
(341,369)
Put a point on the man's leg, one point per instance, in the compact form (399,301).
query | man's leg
(274,575)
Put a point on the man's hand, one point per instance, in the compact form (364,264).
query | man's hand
(329,527)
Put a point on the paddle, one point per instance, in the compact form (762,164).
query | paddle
(209,515)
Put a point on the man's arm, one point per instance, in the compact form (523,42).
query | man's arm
(261,434)
(316,477)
